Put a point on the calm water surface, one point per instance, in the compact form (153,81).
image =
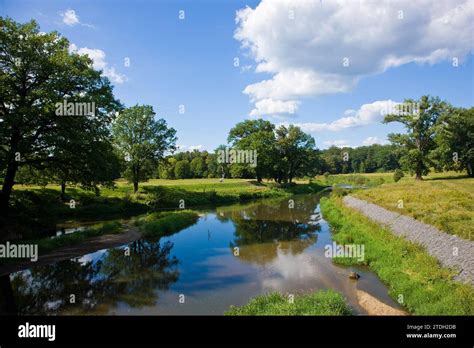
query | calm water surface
(279,249)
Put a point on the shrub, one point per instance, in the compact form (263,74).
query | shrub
(397,175)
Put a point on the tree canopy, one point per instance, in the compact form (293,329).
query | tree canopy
(419,120)
(37,73)
(142,141)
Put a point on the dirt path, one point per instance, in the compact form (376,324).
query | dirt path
(69,252)
(452,251)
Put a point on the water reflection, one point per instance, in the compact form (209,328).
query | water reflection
(95,283)
(280,249)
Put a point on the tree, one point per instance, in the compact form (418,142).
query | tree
(296,150)
(333,160)
(166,168)
(455,141)
(37,74)
(419,122)
(142,141)
(182,170)
(197,167)
(255,135)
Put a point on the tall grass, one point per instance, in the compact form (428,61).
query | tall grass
(415,279)
(323,302)
(447,203)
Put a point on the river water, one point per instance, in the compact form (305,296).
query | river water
(230,255)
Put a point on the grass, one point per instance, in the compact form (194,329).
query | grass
(152,226)
(412,275)
(367,179)
(38,209)
(442,200)
(323,302)
(47,245)
(159,224)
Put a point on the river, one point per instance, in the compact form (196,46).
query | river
(230,255)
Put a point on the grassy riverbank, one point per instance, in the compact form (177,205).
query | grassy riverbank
(364,179)
(36,208)
(415,279)
(159,224)
(326,302)
(152,226)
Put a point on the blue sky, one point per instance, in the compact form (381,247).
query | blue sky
(190,62)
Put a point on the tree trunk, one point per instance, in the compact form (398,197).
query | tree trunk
(63,191)
(8,305)
(418,170)
(135,186)
(7,187)
(418,175)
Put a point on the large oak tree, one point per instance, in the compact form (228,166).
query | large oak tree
(419,118)
(37,71)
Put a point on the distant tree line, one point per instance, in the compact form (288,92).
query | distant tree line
(203,164)
(438,136)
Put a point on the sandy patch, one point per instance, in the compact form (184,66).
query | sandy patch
(374,306)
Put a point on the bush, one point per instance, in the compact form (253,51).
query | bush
(397,175)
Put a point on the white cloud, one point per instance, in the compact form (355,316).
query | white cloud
(338,143)
(270,107)
(114,76)
(97,56)
(99,62)
(305,55)
(71,19)
(373,140)
(365,115)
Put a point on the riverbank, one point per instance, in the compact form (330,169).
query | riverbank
(452,251)
(152,226)
(36,209)
(415,279)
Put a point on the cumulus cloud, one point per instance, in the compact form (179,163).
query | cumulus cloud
(312,47)
(71,19)
(99,62)
(365,115)
(274,107)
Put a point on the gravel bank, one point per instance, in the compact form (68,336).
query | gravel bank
(450,250)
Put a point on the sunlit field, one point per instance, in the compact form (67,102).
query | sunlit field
(445,200)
